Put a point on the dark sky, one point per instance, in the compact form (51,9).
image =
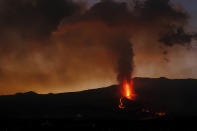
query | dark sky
(190,6)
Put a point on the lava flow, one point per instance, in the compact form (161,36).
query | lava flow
(127,92)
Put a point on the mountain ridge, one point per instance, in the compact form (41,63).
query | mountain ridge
(177,96)
(136,78)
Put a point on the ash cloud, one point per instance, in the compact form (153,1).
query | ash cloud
(35,18)
(60,41)
(125,60)
(179,36)
(28,60)
(160,15)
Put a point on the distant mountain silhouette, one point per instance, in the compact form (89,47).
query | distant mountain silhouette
(159,95)
(30,93)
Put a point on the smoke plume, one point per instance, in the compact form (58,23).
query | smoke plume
(62,44)
(125,23)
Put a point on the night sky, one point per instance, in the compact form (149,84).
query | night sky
(62,46)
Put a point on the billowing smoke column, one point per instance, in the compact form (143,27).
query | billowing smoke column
(125,60)
(125,69)
(117,26)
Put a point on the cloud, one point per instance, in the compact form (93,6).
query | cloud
(61,44)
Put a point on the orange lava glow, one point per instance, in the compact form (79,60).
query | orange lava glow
(161,113)
(127,90)
(146,110)
(121,105)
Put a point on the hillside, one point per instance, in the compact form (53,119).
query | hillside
(177,97)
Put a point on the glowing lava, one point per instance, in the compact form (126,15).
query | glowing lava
(161,113)
(127,92)
(121,105)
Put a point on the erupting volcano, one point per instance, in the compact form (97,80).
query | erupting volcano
(127,91)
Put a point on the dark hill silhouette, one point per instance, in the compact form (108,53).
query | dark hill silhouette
(176,97)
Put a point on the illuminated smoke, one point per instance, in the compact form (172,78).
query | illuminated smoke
(48,43)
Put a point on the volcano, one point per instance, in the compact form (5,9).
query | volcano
(154,96)
(157,99)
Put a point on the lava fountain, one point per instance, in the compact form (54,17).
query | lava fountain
(127,92)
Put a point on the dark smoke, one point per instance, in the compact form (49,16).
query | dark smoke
(125,60)
(35,19)
(169,23)
(58,40)
(177,37)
